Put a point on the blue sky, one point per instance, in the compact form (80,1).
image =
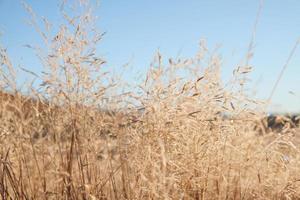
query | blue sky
(136,29)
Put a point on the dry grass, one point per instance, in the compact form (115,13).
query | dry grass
(183,134)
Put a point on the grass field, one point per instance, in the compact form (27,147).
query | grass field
(180,134)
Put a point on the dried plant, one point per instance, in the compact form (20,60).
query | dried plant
(184,135)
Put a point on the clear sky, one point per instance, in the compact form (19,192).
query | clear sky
(136,29)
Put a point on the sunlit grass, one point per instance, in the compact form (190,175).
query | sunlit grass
(180,134)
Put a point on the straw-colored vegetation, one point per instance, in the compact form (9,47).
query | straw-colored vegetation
(181,134)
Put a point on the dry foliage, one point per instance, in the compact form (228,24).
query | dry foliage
(183,134)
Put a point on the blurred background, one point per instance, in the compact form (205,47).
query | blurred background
(135,30)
